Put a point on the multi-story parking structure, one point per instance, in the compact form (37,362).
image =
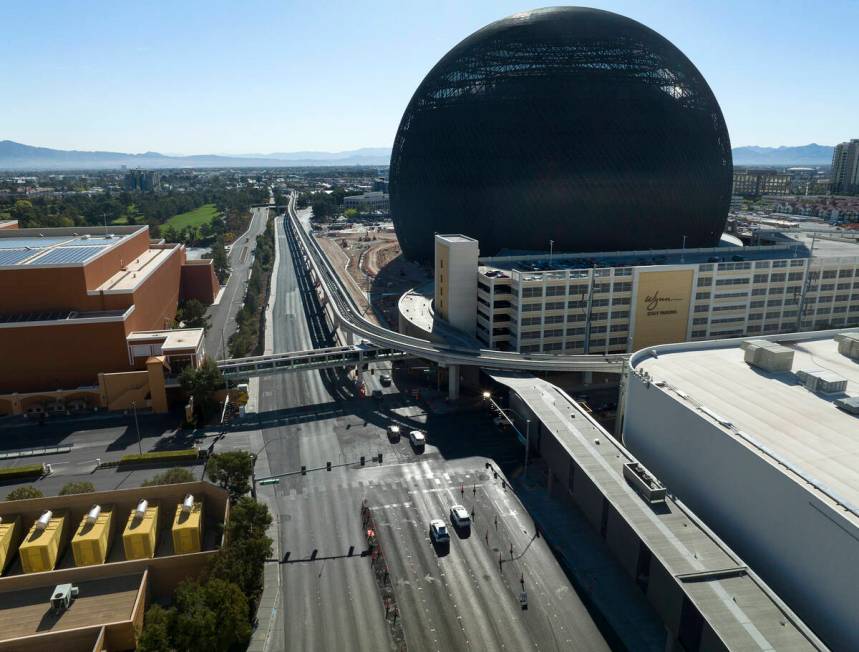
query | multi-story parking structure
(623,301)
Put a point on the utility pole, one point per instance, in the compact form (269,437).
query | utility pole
(551,250)
(137,427)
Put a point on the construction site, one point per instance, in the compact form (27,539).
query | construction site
(373,268)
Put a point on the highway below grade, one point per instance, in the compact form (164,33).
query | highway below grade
(241,257)
(462,598)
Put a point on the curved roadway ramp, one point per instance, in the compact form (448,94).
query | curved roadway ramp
(348,318)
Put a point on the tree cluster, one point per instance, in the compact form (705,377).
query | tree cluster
(220,261)
(231,470)
(201,383)
(176,475)
(29,491)
(246,339)
(216,611)
(152,208)
(192,314)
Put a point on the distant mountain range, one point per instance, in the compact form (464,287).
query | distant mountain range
(812,154)
(15,156)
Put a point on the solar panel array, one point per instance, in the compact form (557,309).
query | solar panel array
(33,243)
(67,255)
(13,256)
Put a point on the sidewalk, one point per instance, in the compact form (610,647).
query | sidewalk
(600,581)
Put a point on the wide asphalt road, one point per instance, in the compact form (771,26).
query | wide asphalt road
(241,256)
(326,604)
(448,600)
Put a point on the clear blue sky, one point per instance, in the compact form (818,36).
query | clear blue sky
(264,76)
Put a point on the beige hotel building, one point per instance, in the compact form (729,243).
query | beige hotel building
(624,301)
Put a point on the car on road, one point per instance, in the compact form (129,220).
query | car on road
(417,438)
(500,422)
(385,380)
(438,531)
(394,432)
(377,394)
(459,517)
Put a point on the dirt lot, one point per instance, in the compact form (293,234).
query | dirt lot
(370,259)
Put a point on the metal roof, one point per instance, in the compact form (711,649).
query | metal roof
(740,608)
(801,429)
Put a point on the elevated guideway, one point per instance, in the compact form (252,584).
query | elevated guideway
(349,319)
(329,358)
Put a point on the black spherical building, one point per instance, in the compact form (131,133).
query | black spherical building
(567,124)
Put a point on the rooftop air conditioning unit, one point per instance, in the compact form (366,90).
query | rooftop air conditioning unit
(767,355)
(644,484)
(848,345)
(61,598)
(822,381)
(849,404)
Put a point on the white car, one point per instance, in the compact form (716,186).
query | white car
(438,531)
(394,433)
(417,438)
(459,516)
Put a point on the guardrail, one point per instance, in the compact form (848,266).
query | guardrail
(349,317)
(34,452)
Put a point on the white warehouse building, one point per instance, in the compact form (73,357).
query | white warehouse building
(761,440)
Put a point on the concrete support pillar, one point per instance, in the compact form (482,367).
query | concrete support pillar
(453,382)
(588,377)
(350,339)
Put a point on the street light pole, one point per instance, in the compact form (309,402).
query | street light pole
(137,427)
(551,250)
(487,396)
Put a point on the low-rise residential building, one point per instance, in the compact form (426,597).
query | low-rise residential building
(755,183)
(368,201)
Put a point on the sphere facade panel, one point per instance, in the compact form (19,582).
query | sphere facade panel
(569,124)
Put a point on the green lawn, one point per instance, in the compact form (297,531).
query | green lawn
(195,218)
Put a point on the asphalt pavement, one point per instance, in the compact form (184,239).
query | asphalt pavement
(460,598)
(91,438)
(241,257)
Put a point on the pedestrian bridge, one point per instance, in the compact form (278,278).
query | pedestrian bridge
(329,358)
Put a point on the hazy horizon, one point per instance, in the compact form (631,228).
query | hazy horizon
(266,77)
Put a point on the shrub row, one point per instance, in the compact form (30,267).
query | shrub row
(21,471)
(188,454)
